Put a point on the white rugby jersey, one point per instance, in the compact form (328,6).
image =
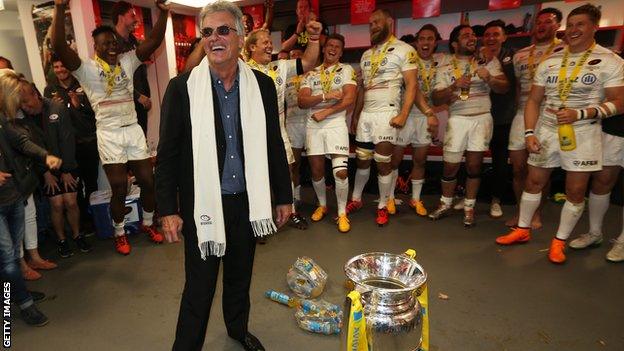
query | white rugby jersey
(294,114)
(438,61)
(280,71)
(603,69)
(117,109)
(383,89)
(343,74)
(523,71)
(479,98)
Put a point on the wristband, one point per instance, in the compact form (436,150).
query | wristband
(529,132)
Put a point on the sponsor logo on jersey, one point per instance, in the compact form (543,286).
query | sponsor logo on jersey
(507,59)
(279,81)
(588,78)
(53,117)
(338,80)
(342,148)
(384,61)
(579,163)
(594,62)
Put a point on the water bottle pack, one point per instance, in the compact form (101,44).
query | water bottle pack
(306,278)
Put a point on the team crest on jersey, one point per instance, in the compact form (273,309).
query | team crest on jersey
(53,117)
(588,78)
(594,62)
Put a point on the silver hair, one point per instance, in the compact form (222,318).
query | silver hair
(224,6)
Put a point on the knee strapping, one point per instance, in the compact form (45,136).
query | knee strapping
(339,163)
(452,157)
(379,158)
(363,154)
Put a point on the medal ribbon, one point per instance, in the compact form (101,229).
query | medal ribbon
(427,75)
(564,85)
(377,57)
(531,62)
(266,69)
(470,69)
(326,79)
(109,74)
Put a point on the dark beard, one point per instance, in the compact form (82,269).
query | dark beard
(380,36)
(466,52)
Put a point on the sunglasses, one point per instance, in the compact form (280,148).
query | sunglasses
(221,30)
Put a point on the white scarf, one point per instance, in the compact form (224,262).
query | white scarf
(208,210)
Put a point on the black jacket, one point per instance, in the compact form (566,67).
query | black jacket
(82,117)
(504,106)
(17,150)
(58,133)
(174,162)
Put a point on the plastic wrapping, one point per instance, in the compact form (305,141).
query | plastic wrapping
(306,278)
(319,316)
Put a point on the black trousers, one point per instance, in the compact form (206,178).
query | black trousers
(87,158)
(501,170)
(201,279)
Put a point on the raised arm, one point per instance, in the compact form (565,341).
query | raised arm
(147,48)
(268,17)
(68,56)
(311,54)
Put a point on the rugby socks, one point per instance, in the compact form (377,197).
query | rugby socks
(361,178)
(319,189)
(119,228)
(469,203)
(528,205)
(393,181)
(447,201)
(342,194)
(417,185)
(598,206)
(570,214)
(148,218)
(297,193)
(385,187)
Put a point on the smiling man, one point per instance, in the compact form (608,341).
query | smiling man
(259,49)
(328,91)
(576,86)
(220,156)
(464,86)
(107,82)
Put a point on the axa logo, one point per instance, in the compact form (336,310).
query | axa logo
(205,219)
(579,163)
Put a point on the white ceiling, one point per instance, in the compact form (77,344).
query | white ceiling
(11,5)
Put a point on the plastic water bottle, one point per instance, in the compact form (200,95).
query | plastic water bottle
(282,298)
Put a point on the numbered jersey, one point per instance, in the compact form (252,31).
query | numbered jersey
(478,101)
(524,73)
(383,83)
(337,76)
(116,109)
(294,114)
(430,68)
(603,69)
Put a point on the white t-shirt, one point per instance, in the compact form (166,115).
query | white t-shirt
(284,70)
(117,109)
(294,114)
(523,71)
(603,69)
(438,61)
(383,90)
(479,98)
(343,75)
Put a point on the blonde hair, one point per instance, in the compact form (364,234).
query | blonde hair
(10,93)
(252,39)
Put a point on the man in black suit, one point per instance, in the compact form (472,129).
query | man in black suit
(179,183)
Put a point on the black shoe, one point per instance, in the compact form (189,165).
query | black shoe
(37,296)
(251,343)
(32,316)
(82,243)
(298,221)
(63,249)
